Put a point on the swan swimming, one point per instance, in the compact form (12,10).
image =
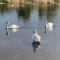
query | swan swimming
(48,26)
(12,27)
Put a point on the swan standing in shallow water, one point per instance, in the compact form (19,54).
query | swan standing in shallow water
(36,40)
(13,27)
(48,26)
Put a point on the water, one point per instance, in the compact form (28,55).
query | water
(17,45)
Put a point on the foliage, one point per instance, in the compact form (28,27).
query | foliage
(4,1)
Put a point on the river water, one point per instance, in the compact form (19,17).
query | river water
(17,45)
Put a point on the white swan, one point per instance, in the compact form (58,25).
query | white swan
(35,36)
(13,27)
(36,40)
(48,26)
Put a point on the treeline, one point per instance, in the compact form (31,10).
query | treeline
(3,1)
(56,0)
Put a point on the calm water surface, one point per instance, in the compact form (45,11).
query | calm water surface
(18,44)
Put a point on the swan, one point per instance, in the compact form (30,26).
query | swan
(36,40)
(48,26)
(12,27)
(35,36)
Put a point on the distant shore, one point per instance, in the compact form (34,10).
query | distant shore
(2,3)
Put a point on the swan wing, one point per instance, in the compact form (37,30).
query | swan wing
(14,26)
(36,37)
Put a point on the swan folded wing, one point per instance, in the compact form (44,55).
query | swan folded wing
(13,26)
(50,26)
(36,37)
